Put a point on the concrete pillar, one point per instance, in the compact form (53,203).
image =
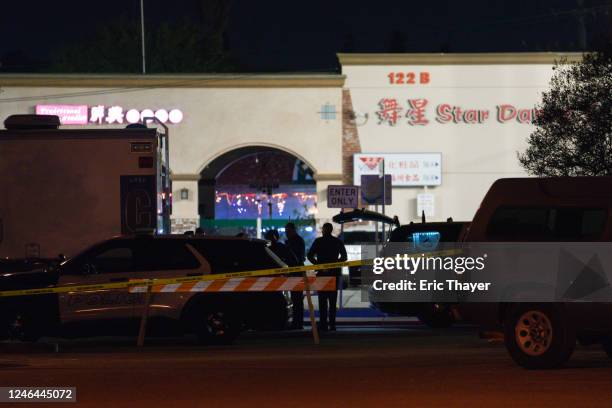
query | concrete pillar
(350,137)
(184,209)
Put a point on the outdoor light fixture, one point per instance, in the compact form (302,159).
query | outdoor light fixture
(184,194)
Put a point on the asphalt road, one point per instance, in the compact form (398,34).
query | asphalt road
(350,368)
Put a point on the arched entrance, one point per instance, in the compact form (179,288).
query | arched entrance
(255,188)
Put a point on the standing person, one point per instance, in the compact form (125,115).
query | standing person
(298,247)
(324,249)
(281,250)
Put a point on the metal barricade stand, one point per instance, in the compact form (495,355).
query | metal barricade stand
(145,316)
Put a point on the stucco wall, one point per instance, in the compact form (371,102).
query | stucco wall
(222,113)
(473,155)
(216,120)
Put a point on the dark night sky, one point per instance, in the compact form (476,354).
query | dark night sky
(282,35)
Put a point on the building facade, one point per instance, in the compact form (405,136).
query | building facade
(471,112)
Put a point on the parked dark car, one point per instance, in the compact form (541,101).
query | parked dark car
(425,237)
(27,265)
(421,235)
(216,317)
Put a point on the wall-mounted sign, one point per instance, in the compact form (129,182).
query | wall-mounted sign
(103,115)
(426,203)
(68,114)
(420,112)
(405,169)
(373,190)
(342,196)
(408,78)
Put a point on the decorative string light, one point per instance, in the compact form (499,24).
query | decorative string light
(242,202)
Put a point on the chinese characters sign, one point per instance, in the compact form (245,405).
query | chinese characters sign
(102,115)
(419,112)
(406,169)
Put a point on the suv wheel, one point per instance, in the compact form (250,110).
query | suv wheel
(20,326)
(538,336)
(436,315)
(214,325)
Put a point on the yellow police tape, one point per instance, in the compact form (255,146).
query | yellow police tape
(197,278)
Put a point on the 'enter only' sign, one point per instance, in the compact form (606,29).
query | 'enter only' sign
(342,196)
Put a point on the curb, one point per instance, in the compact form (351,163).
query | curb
(28,347)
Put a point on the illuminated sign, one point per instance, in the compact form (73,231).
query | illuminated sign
(102,115)
(393,111)
(405,169)
(68,114)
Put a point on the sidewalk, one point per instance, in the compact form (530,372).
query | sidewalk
(353,311)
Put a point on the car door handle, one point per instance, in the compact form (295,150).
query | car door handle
(119,279)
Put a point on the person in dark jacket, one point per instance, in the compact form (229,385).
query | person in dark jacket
(296,243)
(324,249)
(281,250)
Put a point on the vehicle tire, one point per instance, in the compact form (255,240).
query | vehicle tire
(22,327)
(215,325)
(538,336)
(436,315)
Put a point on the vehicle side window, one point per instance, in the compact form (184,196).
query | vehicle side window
(546,224)
(234,255)
(167,254)
(113,260)
(579,224)
(594,222)
(520,223)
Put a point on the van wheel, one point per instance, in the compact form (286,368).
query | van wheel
(436,315)
(538,336)
(214,325)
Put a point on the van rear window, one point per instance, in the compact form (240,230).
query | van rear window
(425,241)
(547,224)
(444,232)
